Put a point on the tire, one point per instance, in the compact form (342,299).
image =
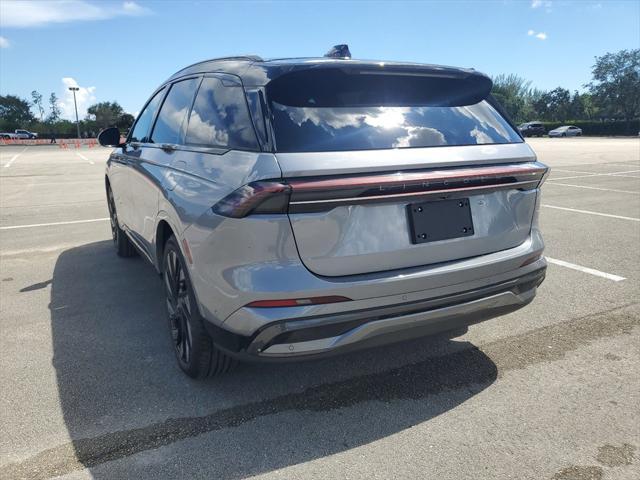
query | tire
(564,134)
(195,352)
(124,247)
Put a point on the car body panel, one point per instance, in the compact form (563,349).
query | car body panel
(332,163)
(355,239)
(566,131)
(25,134)
(360,252)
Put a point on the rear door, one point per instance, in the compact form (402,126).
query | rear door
(148,169)
(382,181)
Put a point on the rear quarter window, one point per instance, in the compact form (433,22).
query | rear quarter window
(220,118)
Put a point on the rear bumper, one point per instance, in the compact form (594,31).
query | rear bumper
(324,335)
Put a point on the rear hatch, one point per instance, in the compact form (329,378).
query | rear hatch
(390,168)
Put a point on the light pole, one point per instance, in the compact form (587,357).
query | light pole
(74,90)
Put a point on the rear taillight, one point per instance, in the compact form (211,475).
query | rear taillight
(255,197)
(544,177)
(313,194)
(531,259)
(297,302)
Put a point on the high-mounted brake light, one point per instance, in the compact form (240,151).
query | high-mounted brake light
(297,302)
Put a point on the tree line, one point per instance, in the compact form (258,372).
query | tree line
(613,94)
(36,116)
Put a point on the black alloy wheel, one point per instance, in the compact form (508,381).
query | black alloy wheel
(195,351)
(124,247)
(178,307)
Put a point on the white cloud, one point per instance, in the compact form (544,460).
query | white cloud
(85,97)
(539,35)
(541,3)
(132,8)
(32,13)
(4,43)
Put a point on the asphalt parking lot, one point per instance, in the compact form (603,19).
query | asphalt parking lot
(90,389)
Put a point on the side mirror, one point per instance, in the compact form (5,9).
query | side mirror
(109,137)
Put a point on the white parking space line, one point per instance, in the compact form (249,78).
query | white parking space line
(596,173)
(35,225)
(590,271)
(591,174)
(84,158)
(13,159)
(572,177)
(615,174)
(591,188)
(31,251)
(631,164)
(620,217)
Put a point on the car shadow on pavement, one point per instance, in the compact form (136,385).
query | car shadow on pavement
(123,397)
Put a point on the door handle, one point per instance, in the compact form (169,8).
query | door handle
(168,147)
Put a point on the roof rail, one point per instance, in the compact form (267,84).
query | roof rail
(254,58)
(250,58)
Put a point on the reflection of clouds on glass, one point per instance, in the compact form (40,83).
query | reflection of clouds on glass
(205,133)
(419,136)
(220,117)
(481,137)
(173,117)
(173,112)
(362,128)
(486,116)
(383,117)
(330,117)
(387,117)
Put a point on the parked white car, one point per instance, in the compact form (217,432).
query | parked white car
(25,134)
(566,131)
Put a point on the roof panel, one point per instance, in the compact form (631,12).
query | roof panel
(255,71)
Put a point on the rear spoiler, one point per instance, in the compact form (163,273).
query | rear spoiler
(347,84)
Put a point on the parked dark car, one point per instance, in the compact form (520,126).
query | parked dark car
(532,129)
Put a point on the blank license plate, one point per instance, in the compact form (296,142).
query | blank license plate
(440,220)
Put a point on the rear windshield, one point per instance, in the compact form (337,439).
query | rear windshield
(317,129)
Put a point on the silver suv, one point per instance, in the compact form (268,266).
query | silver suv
(303,207)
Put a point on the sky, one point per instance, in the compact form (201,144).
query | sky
(122,50)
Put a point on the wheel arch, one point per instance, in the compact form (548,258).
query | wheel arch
(164,230)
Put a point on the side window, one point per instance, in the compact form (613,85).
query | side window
(141,129)
(168,128)
(220,118)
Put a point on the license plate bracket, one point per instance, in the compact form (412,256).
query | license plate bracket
(440,220)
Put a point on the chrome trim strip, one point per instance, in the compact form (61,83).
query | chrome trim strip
(530,170)
(387,325)
(527,185)
(324,193)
